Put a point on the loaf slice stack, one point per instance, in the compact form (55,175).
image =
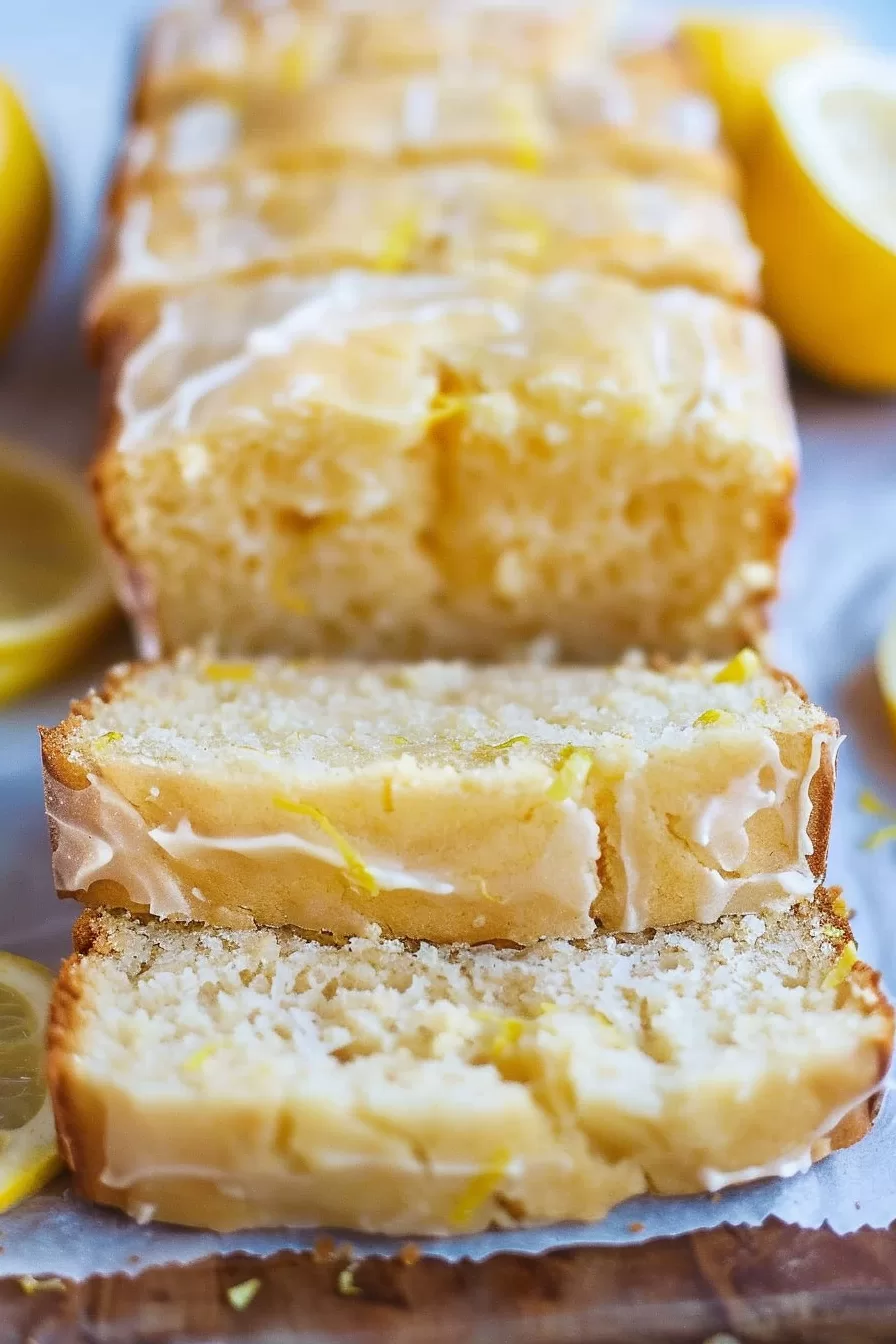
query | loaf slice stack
(260,1078)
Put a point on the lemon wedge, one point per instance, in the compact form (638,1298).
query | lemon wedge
(54,592)
(737,55)
(821,203)
(28,1153)
(26,209)
(886,668)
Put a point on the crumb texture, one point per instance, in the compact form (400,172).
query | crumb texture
(411,1088)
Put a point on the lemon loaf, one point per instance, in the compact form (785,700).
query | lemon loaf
(411,465)
(228,47)
(642,115)
(439,800)
(261,1078)
(443,219)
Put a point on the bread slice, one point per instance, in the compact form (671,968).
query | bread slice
(416,465)
(643,116)
(231,48)
(444,219)
(441,801)
(243,1079)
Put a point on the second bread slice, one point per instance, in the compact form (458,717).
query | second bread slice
(441,801)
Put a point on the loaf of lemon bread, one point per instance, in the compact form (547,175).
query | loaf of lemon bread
(265,1078)
(441,801)
(475,465)
(231,47)
(641,115)
(439,219)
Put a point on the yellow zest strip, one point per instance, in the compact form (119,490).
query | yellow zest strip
(488,751)
(839,907)
(484,891)
(30,1285)
(444,407)
(742,667)
(198,1058)
(228,672)
(242,1294)
(509,1031)
(106,739)
(572,774)
(841,967)
(398,243)
(881,837)
(480,1187)
(869,802)
(760,703)
(710,716)
(293,70)
(345,1283)
(527,153)
(285,595)
(357,869)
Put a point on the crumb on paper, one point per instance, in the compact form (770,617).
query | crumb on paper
(241,1295)
(29,1284)
(410,1254)
(345,1283)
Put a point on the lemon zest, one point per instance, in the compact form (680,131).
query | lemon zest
(876,807)
(399,240)
(760,703)
(30,1285)
(711,716)
(198,1057)
(240,1295)
(841,967)
(572,774)
(107,738)
(356,866)
(880,837)
(484,891)
(443,407)
(483,1184)
(742,667)
(228,672)
(839,907)
(345,1283)
(488,751)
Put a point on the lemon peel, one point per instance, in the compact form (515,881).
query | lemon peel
(488,751)
(841,967)
(572,774)
(31,1285)
(839,907)
(399,242)
(355,865)
(483,1184)
(228,672)
(713,716)
(106,739)
(195,1061)
(743,667)
(29,1156)
(241,1295)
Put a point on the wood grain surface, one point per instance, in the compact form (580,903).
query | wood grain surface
(775,1284)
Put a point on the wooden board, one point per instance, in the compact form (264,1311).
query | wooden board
(775,1284)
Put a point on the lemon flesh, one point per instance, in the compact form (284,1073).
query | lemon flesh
(737,56)
(54,592)
(26,209)
(821,204)
(28,1153)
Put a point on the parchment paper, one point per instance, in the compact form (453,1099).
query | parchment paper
(840,586)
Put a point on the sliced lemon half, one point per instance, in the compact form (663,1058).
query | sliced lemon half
(26,208)
(28,1153)
(736,55)
(54,591)
(821,203)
